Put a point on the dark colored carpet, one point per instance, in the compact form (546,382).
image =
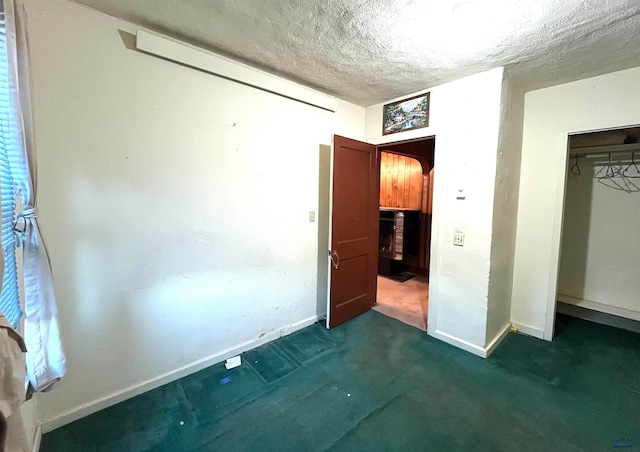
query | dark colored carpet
(376,384)
(401,277)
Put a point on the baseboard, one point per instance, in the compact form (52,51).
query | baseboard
(483,352)
(460,343)
(601,307)
(528,330)
(137,389)
(598,317)
(37,438)
(491,346)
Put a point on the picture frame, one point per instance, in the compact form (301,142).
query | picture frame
(406,114)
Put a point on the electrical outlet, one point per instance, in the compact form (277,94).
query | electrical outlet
(458,238)
(312,216)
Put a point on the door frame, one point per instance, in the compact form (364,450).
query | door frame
(435,231)
(559,207)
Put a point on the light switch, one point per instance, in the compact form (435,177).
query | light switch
(458,238)
(312,216)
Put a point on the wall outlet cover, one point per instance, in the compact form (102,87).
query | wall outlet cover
(233,362)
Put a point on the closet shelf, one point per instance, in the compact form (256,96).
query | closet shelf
(601,151)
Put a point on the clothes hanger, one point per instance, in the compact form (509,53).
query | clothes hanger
(635,165)
(610,171)
(575,169)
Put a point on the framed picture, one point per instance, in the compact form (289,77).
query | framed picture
(406,114)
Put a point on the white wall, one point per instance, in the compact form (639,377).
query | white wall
(505,209)
(600,254)
(465,118)
(607,101)
(175,205)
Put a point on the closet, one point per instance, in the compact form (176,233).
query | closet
(600,253)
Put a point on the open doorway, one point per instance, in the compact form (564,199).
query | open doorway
(406,204)
(597,278)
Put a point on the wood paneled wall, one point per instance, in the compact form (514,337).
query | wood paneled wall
(400,181)
(425,227)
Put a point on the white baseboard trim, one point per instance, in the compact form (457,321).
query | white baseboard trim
(529,330)
(460,343)
(602,307)
(139,388)
(491,346)
(483,352)
(37,438)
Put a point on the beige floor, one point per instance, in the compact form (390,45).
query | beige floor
(405,301)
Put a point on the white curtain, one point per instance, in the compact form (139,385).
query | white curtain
(45,357)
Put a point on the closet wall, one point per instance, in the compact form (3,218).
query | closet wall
(600,255)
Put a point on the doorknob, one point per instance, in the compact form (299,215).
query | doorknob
(335,259)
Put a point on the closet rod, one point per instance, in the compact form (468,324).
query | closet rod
(600,154)
(599,151)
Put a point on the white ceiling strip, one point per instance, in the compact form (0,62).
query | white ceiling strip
(211,63)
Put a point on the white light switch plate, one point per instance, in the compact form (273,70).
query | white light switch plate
(458,238)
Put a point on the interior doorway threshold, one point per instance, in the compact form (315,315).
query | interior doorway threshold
(410,318)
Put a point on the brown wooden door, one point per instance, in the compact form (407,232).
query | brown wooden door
(354,229)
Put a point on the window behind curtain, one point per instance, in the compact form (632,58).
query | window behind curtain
(9,299)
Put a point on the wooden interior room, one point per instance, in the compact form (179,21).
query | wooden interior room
(406,206)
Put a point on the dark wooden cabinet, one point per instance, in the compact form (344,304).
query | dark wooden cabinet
(399,240)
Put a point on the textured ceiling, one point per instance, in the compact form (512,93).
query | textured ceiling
(370,51)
